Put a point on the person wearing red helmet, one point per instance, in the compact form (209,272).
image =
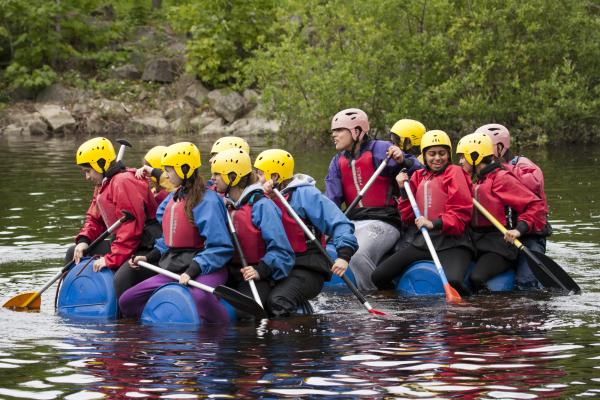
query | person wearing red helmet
(376,221)
(533,178)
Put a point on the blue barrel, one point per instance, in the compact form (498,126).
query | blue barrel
(87,294)
(173,304)
(422,279)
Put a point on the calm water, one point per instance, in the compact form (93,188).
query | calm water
(520,346)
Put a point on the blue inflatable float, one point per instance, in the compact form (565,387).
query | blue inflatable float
(85,294)
(422,279)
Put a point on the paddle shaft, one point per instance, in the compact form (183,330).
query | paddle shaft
(128,216)
(367,185)
(518,243)
(313,239)
(425,232)
(175,276)
(238,247)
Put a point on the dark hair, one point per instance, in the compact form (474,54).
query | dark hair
(195,188)
(247,180)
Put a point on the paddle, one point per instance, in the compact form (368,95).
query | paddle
(32,300)
(235,298)
(549,273)
(313,239)
(367,185)
(238,248)
(452,295)
(123,143)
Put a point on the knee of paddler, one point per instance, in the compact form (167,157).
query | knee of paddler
(281,306)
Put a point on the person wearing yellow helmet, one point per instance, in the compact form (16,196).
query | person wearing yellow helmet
(195,241)
(116,190)
(444,195)
(275,168)
(497,190)
(407,134)
(257,220)
(160,184)
(229,142)
(376,221)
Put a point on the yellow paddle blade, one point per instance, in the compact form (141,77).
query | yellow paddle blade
(28,301)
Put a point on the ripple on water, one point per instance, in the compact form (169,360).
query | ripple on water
(23,394)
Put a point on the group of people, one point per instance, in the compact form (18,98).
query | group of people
(183,223)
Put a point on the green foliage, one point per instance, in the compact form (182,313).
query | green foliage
(223,34)
(454,65)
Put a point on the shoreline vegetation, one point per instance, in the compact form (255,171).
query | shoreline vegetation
(283,68)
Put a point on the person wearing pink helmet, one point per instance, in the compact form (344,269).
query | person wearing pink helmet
(530,175)
(376,221)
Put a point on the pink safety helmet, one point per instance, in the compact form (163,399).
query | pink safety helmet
(349,119)
(499,135)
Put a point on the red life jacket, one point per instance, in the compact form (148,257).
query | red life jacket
(355,175)
(431,197)
(483,194)
(294,232)
(160,195)
(178,231)
(250,237)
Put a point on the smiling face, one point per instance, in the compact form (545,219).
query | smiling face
(342,139)
(436,157)
(92,175)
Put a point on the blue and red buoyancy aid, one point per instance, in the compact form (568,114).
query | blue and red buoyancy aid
(355,174)
(294,232)
(178,231)
(431,197)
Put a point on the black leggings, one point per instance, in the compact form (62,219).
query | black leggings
(488,266)
(455,262)
(289,293)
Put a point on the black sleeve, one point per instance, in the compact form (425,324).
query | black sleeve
(345,253)
(193,270)
(264,271)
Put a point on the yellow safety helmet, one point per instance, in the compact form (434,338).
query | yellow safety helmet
(230,142)
(275,161)
(184,157)
(97,152)
(460,146)
(477,147)
(435,138)
(409,129)
(232,160)
(154,156)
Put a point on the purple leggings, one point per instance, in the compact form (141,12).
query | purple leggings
(133,300)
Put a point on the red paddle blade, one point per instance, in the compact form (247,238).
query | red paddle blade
(376,312)
(452,295)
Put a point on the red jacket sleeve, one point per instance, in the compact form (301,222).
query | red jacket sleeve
(94,224)
(132,195)
(529,207)
(407,214)
(459,207)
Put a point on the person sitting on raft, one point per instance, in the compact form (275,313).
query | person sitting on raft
(257,220)
(196,242)
(375,218)
(160,184)
(116,189)
(222,144)
(276,170)
(532,177)
(444,195)
(407,134)
(496,189)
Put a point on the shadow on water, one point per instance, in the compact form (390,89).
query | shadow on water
(519,345)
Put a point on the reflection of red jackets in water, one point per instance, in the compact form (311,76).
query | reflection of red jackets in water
(500,188)
(120,192)
(448,199)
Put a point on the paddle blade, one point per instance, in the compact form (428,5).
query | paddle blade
(25,302)
(452,295)
(241,301)
(549,273)
(376,312)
